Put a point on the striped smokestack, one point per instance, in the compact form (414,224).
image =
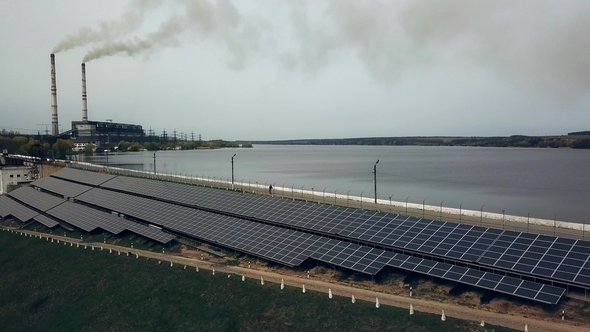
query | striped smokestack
(54,123)
(84,101)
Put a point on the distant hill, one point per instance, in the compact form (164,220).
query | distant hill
(498,141)
(578,133)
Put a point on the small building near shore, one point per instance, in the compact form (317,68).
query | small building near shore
(11,177)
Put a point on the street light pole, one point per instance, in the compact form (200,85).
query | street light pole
(154,163)
(390,208)
(375,179)
(232,171)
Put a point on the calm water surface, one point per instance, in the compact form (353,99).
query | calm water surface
(546,183)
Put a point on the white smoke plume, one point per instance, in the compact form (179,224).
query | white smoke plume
(541,43)
(130,21)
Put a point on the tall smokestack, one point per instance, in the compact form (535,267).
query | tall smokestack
(54,123)
(84,102)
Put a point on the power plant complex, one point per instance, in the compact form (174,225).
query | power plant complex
(91,132)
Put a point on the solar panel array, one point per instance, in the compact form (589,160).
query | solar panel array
(88,219)
(291,247)
(35,198)
(91,178)
(15,209)
(4,207)
(64,188)
(538,255)
(44,220)
(83,217)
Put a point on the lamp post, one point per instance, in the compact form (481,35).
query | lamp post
(407,205)
(460,206)
(503,221)
(154,163)
(347,193)
(440,218)
(390,208)
(362,200)
(232,171)
(335,195)
(424,201)
(481,215)
(375,179)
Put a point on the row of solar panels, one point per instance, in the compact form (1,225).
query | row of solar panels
(291,247)
(549,257)
(80,216)
(9,207)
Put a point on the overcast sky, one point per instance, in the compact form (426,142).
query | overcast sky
(269,69)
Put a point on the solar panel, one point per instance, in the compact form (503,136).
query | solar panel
(497,248)
(4,207)
(87,177)
(15,209)
(35,198)
(86,218)
(61,187)
(503,284)
(44,220)
(89,219)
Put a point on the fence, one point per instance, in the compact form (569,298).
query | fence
(431,212)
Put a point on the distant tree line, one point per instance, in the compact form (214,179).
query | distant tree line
(36,146)
(577,133)
(510,141)
(182,145)
(59,148)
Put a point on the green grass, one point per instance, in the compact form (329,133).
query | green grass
(48,286)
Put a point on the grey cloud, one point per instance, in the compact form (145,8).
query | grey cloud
(524,40)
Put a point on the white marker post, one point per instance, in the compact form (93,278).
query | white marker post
(303,290)
(377,305)
(329,293)
(411,309)
(261,280)
(353,300)
(282,284)
(443,317)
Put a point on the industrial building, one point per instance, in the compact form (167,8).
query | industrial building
(98,133)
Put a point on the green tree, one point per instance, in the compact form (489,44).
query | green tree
(88,150)
(124,145)
(62,147)
(135,147)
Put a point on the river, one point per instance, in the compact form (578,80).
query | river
(545,183)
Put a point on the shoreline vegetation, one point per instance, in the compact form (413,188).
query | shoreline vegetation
(575,140)
(59,147)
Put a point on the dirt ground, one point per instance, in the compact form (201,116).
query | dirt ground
(427,295)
